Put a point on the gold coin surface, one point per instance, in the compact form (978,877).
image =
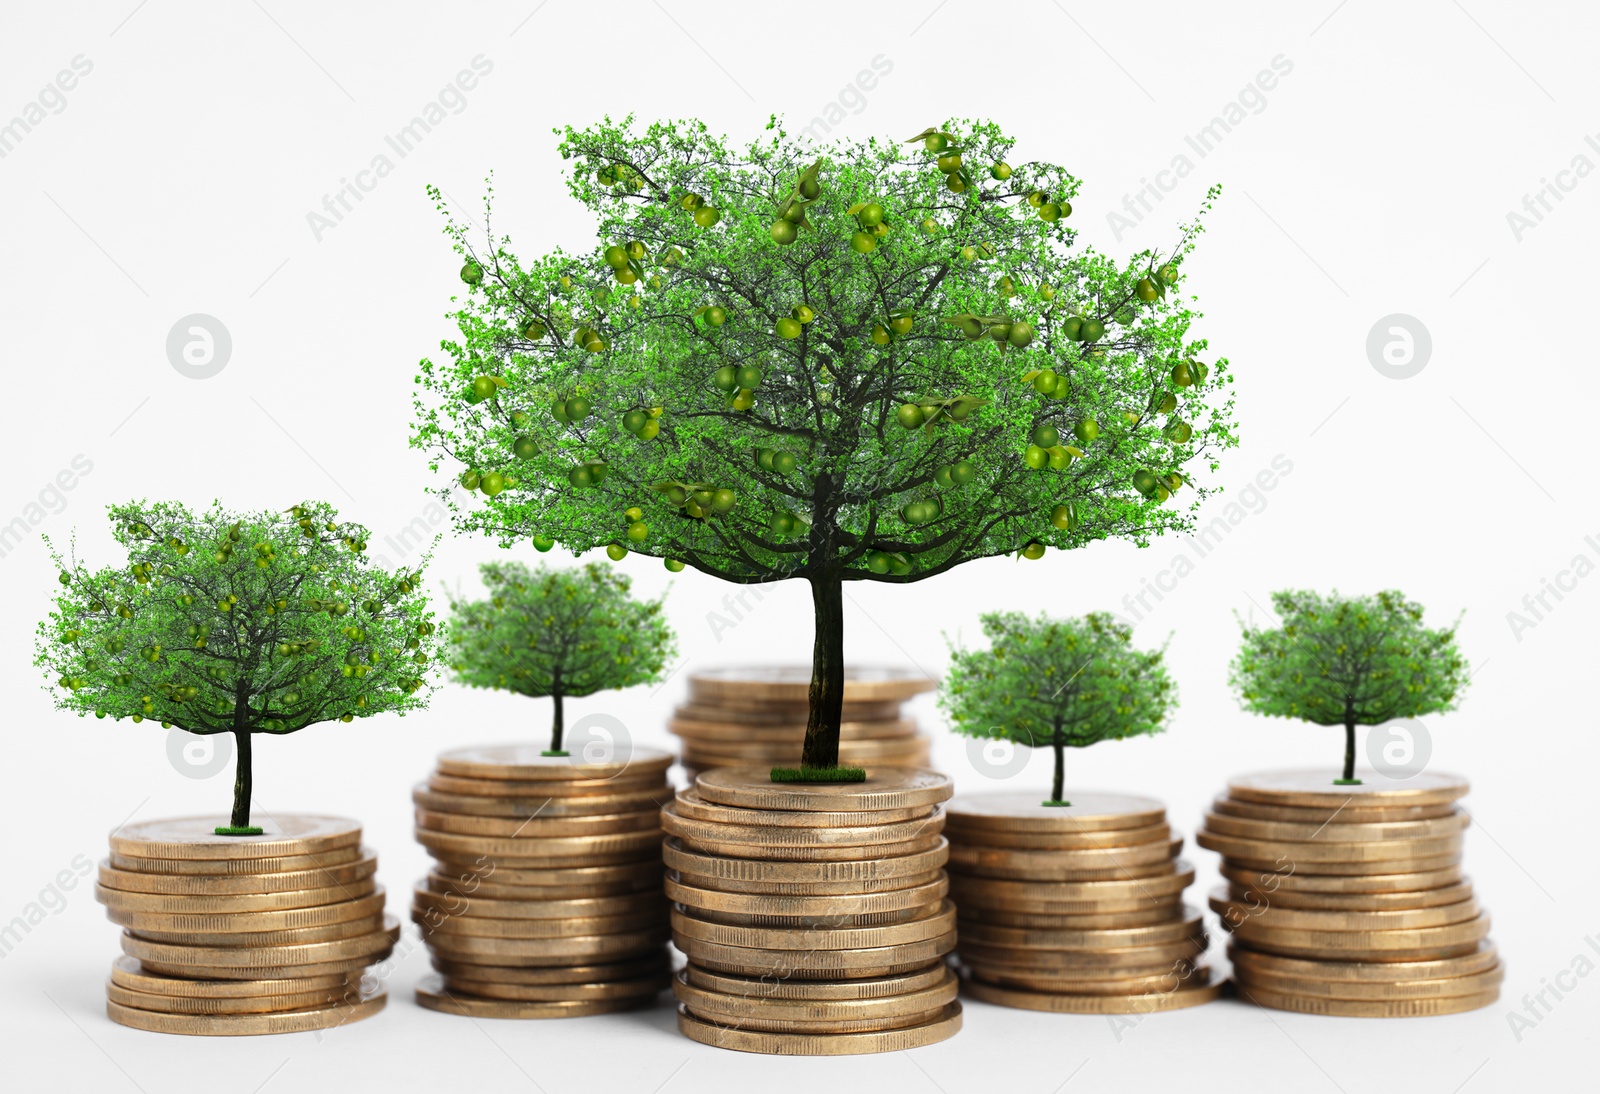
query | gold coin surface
(588,805)
(1107,841)
(237,867)
(1159,912)
(824,853)
(1316,854)
(364,1005)
(432,994)
(1336,831)
(465,873)
(456,904)
(822,937)
(1346,945)
(1189,995)
(946,1025)
(555,850)
(1357,989)
(294,936)
(817,964)
(1369,1008)
(1233,912)
(1183,973)
(1186,926)
(1476,959)
(1311,788)
(701,832)
(540,827)
(792,684)
(436,925)
(310,953)
(216,904)
(1005,862)
(804,889)
(196,838)
(557,993)
(347,965)
(1060,961)
(1324,814)
(823,906)
(655,964)
(536,790)
(734,1007)
(1287,877)
(238,922)
(127,972)
(690,806)
(239,1004)
(527,763)
(1071,897)
(584,949)
(762,988)
(133,881)
(753,788)
(1349,902)
(677,856)
(1020,811)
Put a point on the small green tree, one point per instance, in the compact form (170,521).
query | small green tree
(558,633)
(852,363)
(240,623)
(1063,683)
(1353,662)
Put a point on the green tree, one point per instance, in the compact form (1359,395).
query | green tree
(558,633)
(858,363)
(240,623)
(1066,683)
(1360,661)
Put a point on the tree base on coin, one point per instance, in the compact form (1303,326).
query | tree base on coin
(1055,803)
(834,774)
(555,752)
(1346,782)
(238,830)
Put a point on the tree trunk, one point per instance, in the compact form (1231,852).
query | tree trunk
(821,747)
(242,779)
(1059,741)
(1349,740)
(558,725)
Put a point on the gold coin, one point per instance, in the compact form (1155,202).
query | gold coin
(843,919)
(1324,814)
(295,936)
(758,990)
(1313,788)
(792,684)
(1233,912)
(878,961)
(860,887)
(690,806)
(527,763)
(1003,862)
(534,828)
(195,904)
(1369,1008)
(309,953)
(440,883)
(1316,853)
(819,937)
(435,924)
(1354,872)
(822,1027)
(293,1021)
(348,966)
(196,838)
(1287,878)
(1164,868)
(528,790)
(239,867)
(1057,962)
(240,1004)
(1071,897)
(1338,831)
(1020,811)
(1184,973)
(642,873)
(127,972)
(1186,926)
(946,1025)
(588,805)
(236,922)
(555,850)
(131,881)
(792,854)
(584,949)
(826,906)
(793,836)
(1350,902)
(1114,840)
(787,734)
(762,713)
(732,1007)
(688,860)
(557,993)
(1346,945)
(1476,959)
(656,964)
(753,788)
(456,904)
(1189,995)
(1403,989)
(1158,912)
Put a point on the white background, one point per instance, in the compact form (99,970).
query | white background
(1375,178)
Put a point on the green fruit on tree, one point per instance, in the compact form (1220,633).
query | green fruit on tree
(1000,171)
(616,258)
(863,243)
(493,483)
(878,562)
(1145,482)
(942,479)
(472,273)
(963,472)
(1049,212)
(929,225)
(1086,430)
(577,408)
(626,275)
(525,447)
(1020,335)
(716,315)
(1168,403)
(949,162)
(1072,327)
(648,431)
(1033,550)
(616,552)
(1046,435)
(901,324)
(764,459)
(533,330)
(1047,292)
(1182,375)
(726,378)
(1168,273)
(1045,382)
(638,531)
(803,313)
(810,188)
(784,233)
(789,328)
(1179,431)
(899,564)
(1145,289)
(871,214)
(723,500)
(1126,315)
(1092,330)
(1060,458)
(744,400)
(880,334)
(706,216)
(672,565)
(1035,457)
(580,477)
(634,420)
(969,253)
(936,142)
(637,251)
(632,513)
(483,387)
(955,184)
(749,377)
(1064,517)
(783,463)
(782,525)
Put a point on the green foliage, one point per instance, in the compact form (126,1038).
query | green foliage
(1045,681)
(565,632)
(835,774)
(236,622)
(1347,661)
(865,362)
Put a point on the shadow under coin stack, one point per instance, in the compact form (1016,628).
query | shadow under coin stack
(545,896)
(757,716)
(1075,909)
(1350,900)
(230,935)
(813,915)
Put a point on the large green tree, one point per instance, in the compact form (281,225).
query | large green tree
(1066,683)
(240,623)
(865,362)
(559,633)
(1356,661)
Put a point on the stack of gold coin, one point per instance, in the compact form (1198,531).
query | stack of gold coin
(1350,899)
(545,898)
(1074,908)
(814,915)
(244,934)
(757,716)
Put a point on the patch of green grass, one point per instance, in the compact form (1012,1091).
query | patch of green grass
(555,752)
(238,830)
(1054,803)
(835,774)
(1346,782)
